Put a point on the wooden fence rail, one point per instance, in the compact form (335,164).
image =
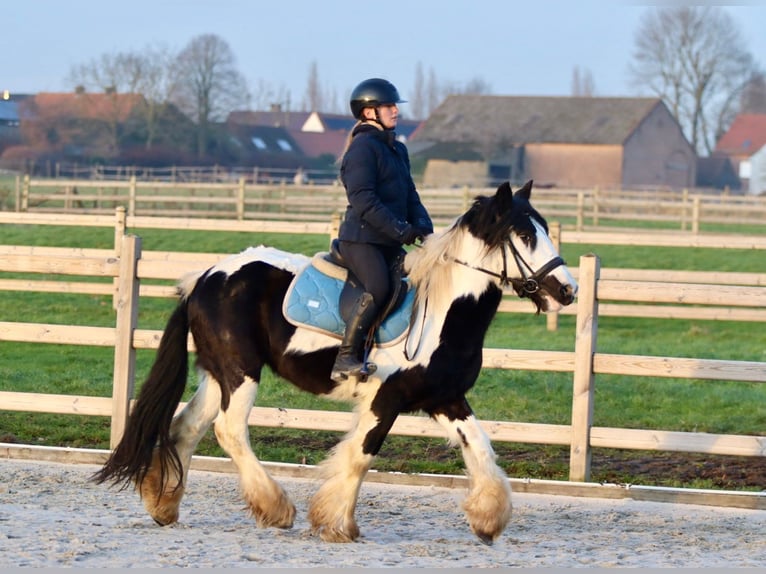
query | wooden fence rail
(125,271)
(172,265)
(239,200)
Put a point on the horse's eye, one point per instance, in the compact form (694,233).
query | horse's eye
(526,238)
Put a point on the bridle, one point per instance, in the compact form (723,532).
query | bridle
(530,281)
(528,285)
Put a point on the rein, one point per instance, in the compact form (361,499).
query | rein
(528,285)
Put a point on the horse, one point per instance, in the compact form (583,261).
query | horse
(234,311)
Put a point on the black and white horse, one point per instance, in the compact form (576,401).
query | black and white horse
(234,311)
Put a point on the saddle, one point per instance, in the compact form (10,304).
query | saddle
(322,296)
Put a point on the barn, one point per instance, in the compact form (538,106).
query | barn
(557,141)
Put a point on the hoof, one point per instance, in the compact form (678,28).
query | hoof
(163,509)
(336,535)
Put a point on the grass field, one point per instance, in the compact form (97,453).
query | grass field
(621,401)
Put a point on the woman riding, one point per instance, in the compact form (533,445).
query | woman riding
(384,212)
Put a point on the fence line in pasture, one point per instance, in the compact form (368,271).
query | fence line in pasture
(122,223)
(126,270)
(239,200)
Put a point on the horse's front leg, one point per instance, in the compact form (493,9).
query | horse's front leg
(488,504)
(332,508)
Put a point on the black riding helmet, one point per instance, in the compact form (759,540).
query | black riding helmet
(373,92)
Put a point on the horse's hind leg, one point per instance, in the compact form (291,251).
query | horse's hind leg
(187,429)
(264,496)
(488,504)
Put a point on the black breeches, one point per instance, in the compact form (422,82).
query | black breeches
(371,264)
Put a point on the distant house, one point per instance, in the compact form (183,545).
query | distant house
(78,124)
(317,134)
(744,138)
(10,133)
(266,146)
(756,180)
(557,141)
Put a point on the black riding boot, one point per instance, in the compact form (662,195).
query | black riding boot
(350,359)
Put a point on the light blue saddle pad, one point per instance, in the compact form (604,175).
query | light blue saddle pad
(312,299)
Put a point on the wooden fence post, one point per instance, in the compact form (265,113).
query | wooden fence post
(684,208)
(132,196)
(241,199)
(554,232)
(580,210)
(583,385)
(124,352)
(696,215)
(25,194)
(334,226)
(17,196)
(595,207)
(119,233)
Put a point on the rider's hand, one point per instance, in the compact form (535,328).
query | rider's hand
(410,234)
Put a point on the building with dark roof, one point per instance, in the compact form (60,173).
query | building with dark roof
(557,141)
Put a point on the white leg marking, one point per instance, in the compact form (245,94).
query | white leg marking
(191,424)
(265,497)
(332,508)
(488,504)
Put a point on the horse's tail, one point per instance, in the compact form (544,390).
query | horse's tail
(148,425)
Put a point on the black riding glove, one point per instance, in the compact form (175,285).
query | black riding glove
(410,234)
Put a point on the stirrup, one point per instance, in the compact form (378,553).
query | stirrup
(361,373)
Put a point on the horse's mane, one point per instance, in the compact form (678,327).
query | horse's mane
(427,267)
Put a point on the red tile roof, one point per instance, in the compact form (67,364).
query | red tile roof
(94,106)
(746,136)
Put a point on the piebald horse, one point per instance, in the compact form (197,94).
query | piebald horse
(234,311)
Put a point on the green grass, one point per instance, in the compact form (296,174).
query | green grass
(538,397)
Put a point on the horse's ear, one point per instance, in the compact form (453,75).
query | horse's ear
(504,196)
(526,190)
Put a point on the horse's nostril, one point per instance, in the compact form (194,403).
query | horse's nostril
(568,294)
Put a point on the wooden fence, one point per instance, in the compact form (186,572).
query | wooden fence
(126,270)
(239,200)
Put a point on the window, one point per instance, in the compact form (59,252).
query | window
(284,145)
(259,143)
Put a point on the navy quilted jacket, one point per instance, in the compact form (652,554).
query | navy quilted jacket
(382,197)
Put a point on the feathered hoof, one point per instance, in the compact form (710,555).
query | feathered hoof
(161,500)
(277,516)
(489,510)
(330,534)
(485,537)
(163,509)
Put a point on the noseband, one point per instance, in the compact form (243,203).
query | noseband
(530,281)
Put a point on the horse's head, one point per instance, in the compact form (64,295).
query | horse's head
(525,255)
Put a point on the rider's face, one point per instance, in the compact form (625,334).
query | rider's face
(388,115)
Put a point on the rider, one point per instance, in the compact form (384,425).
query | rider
(384,212)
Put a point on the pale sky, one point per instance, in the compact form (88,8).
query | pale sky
(516,48)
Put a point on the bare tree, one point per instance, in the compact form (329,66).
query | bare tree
(417,98)
(154,70)
(582,83)
(313,89)
(147,73)
(433,97)
(753,99)
(693,58)
(476,86)
(108,77)
(208,85)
